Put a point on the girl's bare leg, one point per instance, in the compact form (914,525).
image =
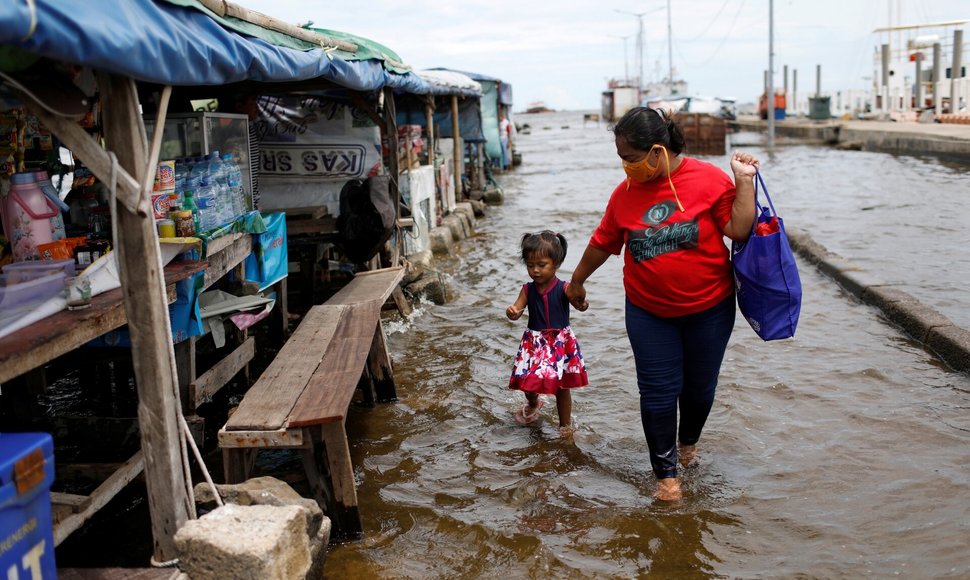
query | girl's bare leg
(564,406)
(533,400)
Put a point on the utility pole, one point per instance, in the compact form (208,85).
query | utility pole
(639,16)
(626,68)
(771,72)
(670,50)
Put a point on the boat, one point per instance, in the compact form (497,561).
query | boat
(538,107)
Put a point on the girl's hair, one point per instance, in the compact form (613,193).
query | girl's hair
(643,127)
(545,243)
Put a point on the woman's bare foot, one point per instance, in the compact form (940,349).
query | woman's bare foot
(687,454)
(566,431)
(668,489)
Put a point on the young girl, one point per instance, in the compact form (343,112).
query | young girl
(549,361)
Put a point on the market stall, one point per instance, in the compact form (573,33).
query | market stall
(89,73)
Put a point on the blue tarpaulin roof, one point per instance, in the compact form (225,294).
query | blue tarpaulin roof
(162,42)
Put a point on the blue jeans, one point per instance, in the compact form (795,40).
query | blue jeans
(678,360)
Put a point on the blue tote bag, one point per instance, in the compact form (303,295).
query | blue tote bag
(766,278)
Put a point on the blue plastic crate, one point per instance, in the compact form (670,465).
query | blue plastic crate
(26,536)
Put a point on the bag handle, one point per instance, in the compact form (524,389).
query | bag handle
(759,179)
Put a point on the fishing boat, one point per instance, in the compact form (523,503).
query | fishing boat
(538,107)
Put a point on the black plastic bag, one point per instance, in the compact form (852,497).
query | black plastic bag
(366,219)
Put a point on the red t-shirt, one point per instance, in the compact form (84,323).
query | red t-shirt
(676,263)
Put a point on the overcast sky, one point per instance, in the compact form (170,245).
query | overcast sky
(563,52)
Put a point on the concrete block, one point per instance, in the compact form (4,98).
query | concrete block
(430,287)
(442,240)
(466,209)
(467,225)
(257,542)
(916,318)
(952,344)
(494,197)
(417,264)
(261,491)
(453,223)
(478,207)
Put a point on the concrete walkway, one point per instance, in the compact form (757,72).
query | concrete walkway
(949,140)
(933,330)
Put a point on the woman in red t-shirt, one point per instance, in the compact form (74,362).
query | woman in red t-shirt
(671,214)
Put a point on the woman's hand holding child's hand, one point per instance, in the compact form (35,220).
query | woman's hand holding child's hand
(576,294)
(514,313)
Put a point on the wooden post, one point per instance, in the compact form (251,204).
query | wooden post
(429,128)
(146,307)
(390,121)
(456,133)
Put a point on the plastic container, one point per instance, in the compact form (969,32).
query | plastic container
(39,268)
(166,228)
(27,217)
(26,474)
(57,222)
(17,294)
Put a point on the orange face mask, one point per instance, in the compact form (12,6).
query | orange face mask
(642,171)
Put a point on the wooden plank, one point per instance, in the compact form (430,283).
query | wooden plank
(269,401)
(321,226)
(222,242)
(313,212)
(369,286)
(76,503)
(49,338)
(281,438)
(142,280)
(227,258)
(331,388)
(115,573)
(100,497)
(403,306)
(202,389)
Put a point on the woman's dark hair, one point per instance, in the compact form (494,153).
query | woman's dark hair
(545,243)
(643,127)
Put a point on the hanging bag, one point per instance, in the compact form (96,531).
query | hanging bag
(765,275)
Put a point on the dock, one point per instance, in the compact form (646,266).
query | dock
(905,138)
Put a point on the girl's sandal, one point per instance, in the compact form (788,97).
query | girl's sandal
(523,417)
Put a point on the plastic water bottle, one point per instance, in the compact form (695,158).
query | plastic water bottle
(207,200)
(234,181)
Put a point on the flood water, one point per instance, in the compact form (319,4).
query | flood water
(842,453)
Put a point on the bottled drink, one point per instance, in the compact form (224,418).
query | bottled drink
(188,204)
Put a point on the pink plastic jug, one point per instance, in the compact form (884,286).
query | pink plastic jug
(27,217)
(57,222)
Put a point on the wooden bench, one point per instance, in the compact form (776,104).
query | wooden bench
(301,400)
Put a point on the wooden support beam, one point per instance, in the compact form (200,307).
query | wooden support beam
(456,134)
(142,283)
(202,389)
(222,8)
(379,367)
(429,128)
(390,119)
(94,157)
(100,498)
(329,455)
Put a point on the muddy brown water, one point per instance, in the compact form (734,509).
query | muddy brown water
(842,453)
